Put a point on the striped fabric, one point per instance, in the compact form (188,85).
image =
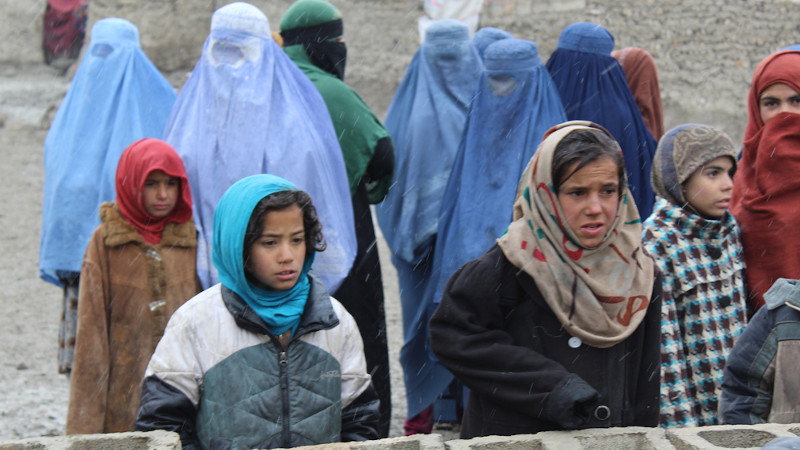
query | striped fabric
(703,309)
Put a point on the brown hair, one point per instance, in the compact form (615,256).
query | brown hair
(583,147)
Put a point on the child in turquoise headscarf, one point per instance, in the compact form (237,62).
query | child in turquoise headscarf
(267,348)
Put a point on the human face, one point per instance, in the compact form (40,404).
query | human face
(709,188)
(160,193)
(589,199)
(776,99)
(277,256)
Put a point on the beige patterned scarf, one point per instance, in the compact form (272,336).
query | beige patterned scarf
(600,295)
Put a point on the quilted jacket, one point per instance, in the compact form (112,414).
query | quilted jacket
(222,380)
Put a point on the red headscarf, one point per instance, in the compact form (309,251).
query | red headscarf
(766,192)
(642,75)
(66,6)
(136,162)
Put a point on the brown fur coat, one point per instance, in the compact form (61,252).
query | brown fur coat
(128,291)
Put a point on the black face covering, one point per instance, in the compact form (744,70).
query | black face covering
(322,45)
(328,56)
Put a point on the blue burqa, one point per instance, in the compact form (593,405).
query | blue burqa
(247,109)
(514,105)
(116,98)
(487,36)
(593,87)
(425,120)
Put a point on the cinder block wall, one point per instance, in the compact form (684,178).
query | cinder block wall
(706,50)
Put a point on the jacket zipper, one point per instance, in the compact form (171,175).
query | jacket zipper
(284,372)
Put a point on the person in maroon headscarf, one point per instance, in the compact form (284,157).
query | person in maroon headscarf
(766,193)
(642,75)
(64,30)
(139,267)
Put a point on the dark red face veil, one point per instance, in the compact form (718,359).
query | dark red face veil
(766,191)
(136,162)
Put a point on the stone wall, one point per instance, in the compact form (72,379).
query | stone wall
(631,438)
(706,50)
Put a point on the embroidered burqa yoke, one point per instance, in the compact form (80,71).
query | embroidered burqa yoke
(642,74)
(593,87)
(246,109)
(766,192)
(425,119)
(514,105)
(116,97)
(703,308)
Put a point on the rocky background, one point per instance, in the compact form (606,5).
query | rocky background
(706,51)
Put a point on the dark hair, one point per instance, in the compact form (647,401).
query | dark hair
(315,241)
(585,146)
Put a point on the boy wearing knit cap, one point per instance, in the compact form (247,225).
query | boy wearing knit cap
(697,245)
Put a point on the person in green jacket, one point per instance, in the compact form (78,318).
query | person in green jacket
(312,33)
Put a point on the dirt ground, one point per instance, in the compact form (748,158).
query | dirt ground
(33,396)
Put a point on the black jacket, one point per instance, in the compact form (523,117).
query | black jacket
(495,333)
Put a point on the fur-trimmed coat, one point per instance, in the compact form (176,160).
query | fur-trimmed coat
(128,291)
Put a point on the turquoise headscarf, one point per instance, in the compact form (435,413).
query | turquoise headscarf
(280,310)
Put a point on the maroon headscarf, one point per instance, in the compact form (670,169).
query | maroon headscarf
(136,162)
(66,6)
(642,75)
(766,191)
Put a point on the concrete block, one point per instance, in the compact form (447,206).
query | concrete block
(729,436)
(628,438)
(415,442)
(519,441)
(152,440)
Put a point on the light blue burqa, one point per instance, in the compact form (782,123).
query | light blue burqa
(247,109)
(116,98)
(515,104)
(425,120)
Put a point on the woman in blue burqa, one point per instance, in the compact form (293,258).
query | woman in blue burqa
(593,87)
(425,119)
(514,104)
(116,98)
(247,109)
(487,36)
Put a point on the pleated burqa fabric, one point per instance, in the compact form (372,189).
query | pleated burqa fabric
(514,104)
(593,87)
(247,109)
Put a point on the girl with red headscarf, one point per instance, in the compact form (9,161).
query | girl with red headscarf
(139,267)
(766,192)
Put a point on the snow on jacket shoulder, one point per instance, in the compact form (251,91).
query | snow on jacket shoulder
(220,378)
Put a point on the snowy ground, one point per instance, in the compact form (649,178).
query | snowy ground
(33,396)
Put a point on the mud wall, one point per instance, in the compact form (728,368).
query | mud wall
(706,50)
